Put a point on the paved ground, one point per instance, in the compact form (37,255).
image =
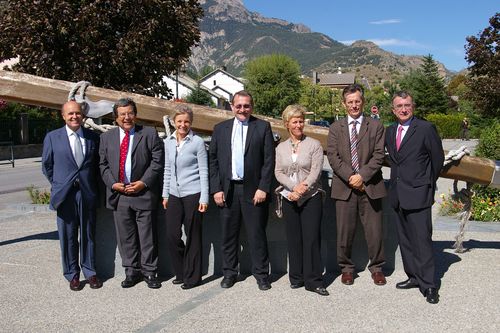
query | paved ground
(35,297)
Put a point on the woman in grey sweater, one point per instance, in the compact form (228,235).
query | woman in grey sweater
(299,162)
(185,197)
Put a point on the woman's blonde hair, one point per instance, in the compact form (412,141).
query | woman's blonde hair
(293,111)
(184,109)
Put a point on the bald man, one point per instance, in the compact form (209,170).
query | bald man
(70,162)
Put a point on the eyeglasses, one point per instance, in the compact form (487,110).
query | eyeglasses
(403,106)
(243,106)
(125,114)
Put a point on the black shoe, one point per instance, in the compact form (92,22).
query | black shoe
(264,284)
(177,281)
(297,285)
(407,284)
(186,286)
(152,281)
(227,282)
(130,281)
(319,290)
(431,295)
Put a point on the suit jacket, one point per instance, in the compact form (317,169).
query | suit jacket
(370,156)
(415,168)
(147,166)
(61,170)
(259,158)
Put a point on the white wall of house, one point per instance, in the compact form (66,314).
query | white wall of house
(224,81)
(184,90)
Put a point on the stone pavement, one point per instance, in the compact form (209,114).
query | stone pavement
(34,297)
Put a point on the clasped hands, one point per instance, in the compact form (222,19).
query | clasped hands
(298,191)
(356,182)
(259,197)
(132,188)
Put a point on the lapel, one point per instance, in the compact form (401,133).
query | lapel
(363,129)
(411,130)
(137,139)
(251,129)
(63,137)
(345,136)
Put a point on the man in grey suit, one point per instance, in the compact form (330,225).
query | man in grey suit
(70,163)
(356,152)
(131,163)
(241,159)
(416,156)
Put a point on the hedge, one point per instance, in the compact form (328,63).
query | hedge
(449,126)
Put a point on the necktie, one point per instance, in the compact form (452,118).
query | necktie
(354,147)
(238,150)
(398,137)
(123,156)
(78,150)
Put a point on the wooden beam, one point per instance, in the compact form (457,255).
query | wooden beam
(39,91)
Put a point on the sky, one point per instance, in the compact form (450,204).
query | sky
(418,27)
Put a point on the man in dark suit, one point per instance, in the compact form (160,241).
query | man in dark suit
(131,162)
(356,152)
(416,157)
(241,170)
(70,163)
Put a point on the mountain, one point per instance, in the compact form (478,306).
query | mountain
(231,35)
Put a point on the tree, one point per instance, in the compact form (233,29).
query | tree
(320,100)
(427,88)
(483,56)
(200,97)
(123,45)
(274,82)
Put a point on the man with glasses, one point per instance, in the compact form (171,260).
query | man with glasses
(416,157)
(131,163)
(241,159)
(356,152)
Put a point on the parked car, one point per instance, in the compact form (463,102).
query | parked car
(323,123)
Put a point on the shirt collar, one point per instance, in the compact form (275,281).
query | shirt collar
(406,123)
(70,132)
(131,132)
(236,121)
(189,136)
(350,119)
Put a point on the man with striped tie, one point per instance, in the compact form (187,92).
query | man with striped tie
(356,152)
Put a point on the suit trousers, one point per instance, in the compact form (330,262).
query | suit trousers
(186,258)
(370,215)
(415,242)
(136,233)
(71,215)
(303,233)
(255,220)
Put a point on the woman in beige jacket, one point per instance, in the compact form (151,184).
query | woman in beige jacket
(299,162)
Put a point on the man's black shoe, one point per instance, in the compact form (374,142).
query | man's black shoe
(152,281)
(264,284)
(431,295)
(297,285)
(227,282)
(407,284)
(130,281)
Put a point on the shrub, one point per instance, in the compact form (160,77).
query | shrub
(448,125)
(489,142)
(486,201)
(38,197)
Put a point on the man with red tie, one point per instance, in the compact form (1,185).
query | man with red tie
(416,157)
(131,163)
